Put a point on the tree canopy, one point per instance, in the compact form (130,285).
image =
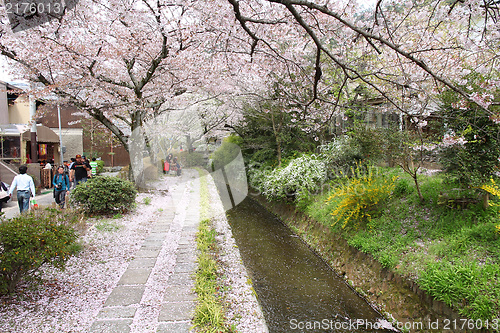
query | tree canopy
(127,61)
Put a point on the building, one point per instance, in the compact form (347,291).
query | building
(15,130)
(18,145)
(83,135)
(80,134)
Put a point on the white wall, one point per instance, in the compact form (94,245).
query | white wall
(4,107)
(72,139)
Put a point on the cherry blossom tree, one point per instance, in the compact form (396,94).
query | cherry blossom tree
(127,61)
(122,62)
(399,50)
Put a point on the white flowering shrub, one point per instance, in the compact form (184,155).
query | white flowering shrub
(302,176)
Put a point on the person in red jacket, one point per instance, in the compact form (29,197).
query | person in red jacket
(166,165)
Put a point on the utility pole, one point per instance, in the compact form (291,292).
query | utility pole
(34,145)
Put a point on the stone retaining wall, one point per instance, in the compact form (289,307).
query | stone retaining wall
(387,291)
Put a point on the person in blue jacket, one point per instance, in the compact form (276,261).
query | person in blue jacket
(61,186)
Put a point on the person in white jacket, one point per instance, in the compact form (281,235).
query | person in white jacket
(25,189)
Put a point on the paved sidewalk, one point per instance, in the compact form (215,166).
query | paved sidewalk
(11,208)
(155,293)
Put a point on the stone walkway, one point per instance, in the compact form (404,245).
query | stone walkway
(155,293)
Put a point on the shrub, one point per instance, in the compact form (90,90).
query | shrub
(265,155)
(341,153)
(403,187)
(298,179)
(193,159)
(359,198)
(369,142)
(28,242)
(105,195)
(226,153)
(476,159)
(100,166)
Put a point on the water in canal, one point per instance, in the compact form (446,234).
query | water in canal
(297,291)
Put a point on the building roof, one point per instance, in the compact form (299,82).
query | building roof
(12,129)
(13,85)
(43,134)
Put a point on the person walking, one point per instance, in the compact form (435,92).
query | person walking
(66,168)
(71,181)
(166,165)
(61,186)
(25,189)
(86,161)
(94,165)
(176,166)
(79,171)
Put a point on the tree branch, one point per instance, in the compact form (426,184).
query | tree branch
(324,9)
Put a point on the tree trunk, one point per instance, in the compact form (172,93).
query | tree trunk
(415,179)
(278,141)
(189,144)
(486,199)
(278,148)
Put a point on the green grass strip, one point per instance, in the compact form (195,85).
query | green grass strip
(204,196)
(209,312)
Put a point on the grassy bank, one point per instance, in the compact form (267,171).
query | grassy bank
(209,312)
(450,247)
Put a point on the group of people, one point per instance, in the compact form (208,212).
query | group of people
(171,164)
(81,169)
(66,178)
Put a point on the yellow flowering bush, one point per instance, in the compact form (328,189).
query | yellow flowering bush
(491,188)
(356,200)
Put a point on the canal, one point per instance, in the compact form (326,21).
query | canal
(297,290)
